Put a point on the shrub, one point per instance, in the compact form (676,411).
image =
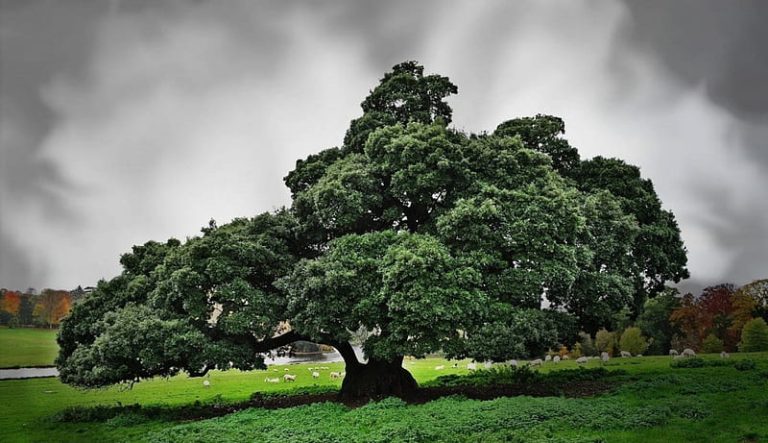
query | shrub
(632,341)
(696,362)
(711,345)
(754,336)
(745,365)
(605,341)
(499,375)
(576,352)
(587,345)
(523,375)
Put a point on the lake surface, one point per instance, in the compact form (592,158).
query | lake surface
(328,357)
(28,373)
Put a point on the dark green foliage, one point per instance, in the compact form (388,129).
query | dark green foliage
(655,324)
(711,345)
(745,365)
(658,251)
(543,133)
(494,376)
(310,170)
(698,362)
(142,324)
(404,95)
(407,278)
(524,375)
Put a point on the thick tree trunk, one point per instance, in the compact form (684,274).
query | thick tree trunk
(378,379)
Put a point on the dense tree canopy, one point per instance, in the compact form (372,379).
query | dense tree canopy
(488,246)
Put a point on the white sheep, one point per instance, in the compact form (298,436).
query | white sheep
(315,374)
(513,363)
(688,352)
(673,352)
(289,377)
(556,359)
(335,375)
(472,366)
(272,380)
(626,354)
(536,362)
(604,357)
(566,357)
(547,358)
(725,355)
(439,368)
(581,360)
(206,384)
(488,365)
(343,374)
(286,369)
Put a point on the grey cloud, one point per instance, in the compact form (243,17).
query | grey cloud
(717,44)
(720,47)
(720,44)
(146,118)
(37,40)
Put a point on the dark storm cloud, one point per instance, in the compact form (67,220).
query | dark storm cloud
(718,44)
(722,47)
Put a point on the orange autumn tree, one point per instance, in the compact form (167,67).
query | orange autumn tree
(10,303)
(52,306)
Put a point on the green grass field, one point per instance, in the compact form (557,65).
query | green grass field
(27,347)
(651,402)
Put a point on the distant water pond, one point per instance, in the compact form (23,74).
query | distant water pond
(28,373)
(328,357)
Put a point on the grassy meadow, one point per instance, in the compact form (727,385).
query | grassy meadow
(27,347)
(649,401)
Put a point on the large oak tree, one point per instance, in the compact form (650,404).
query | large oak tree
(488,246)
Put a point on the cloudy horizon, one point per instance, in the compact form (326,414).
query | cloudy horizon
(128,121)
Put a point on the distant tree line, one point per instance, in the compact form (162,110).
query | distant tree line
(723,317)
(30,308)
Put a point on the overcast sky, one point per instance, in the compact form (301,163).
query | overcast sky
(126,121)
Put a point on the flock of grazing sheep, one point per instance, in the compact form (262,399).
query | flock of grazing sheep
(292,377)
(315,374)
(604,357)
(687,352)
